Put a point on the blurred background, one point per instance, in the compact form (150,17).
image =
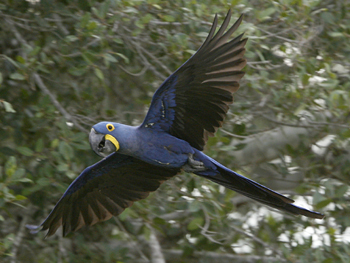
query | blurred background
(66,65)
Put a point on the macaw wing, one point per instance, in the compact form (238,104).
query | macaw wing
(192,103)
(104,190)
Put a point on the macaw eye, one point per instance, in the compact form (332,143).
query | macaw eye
(110,127)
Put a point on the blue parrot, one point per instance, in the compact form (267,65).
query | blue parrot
(187,108)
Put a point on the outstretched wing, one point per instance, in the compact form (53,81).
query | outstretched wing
(104,190)
(192,103)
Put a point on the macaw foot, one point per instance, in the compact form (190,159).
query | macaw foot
(193,165)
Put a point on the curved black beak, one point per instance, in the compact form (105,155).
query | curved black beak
(100,145)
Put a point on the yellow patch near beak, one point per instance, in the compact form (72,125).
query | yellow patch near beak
(113,140)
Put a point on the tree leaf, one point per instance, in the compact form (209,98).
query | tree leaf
(72,38)
(168,18)
(17,76)
(123,57)
(99,73)
(8,107)
(65,150)
(25,151)
(195,223)
(110,58)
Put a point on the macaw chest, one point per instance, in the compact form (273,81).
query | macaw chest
(165,152)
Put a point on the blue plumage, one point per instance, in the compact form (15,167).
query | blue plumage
(162,111)
(187,108)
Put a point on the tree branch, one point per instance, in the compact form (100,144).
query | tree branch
(132,244)
(60,25)
(268,145)
(55,102)
(15,31)
(154,59)
(156,250)
(172,255)
(176,255)
(146,62)
(256,239)
(19,237)
(135,74)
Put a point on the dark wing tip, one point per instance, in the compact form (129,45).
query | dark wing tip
(305,212)
(211,32)
(240,19)
(34,229)
(316,215)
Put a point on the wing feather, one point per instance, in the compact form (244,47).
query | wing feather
(192,103)
(104,190)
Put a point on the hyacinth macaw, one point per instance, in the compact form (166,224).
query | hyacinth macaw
(188,107)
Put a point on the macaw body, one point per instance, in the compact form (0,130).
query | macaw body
(187,108)
(149,145)
(164,150)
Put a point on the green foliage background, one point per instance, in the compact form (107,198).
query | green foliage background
(65,65)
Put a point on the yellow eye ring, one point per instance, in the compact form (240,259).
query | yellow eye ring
(110,127)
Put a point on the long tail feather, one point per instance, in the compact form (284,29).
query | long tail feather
(254,190)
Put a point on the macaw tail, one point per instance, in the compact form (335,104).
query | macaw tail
(254,190)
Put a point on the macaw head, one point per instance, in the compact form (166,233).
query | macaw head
(102,138)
